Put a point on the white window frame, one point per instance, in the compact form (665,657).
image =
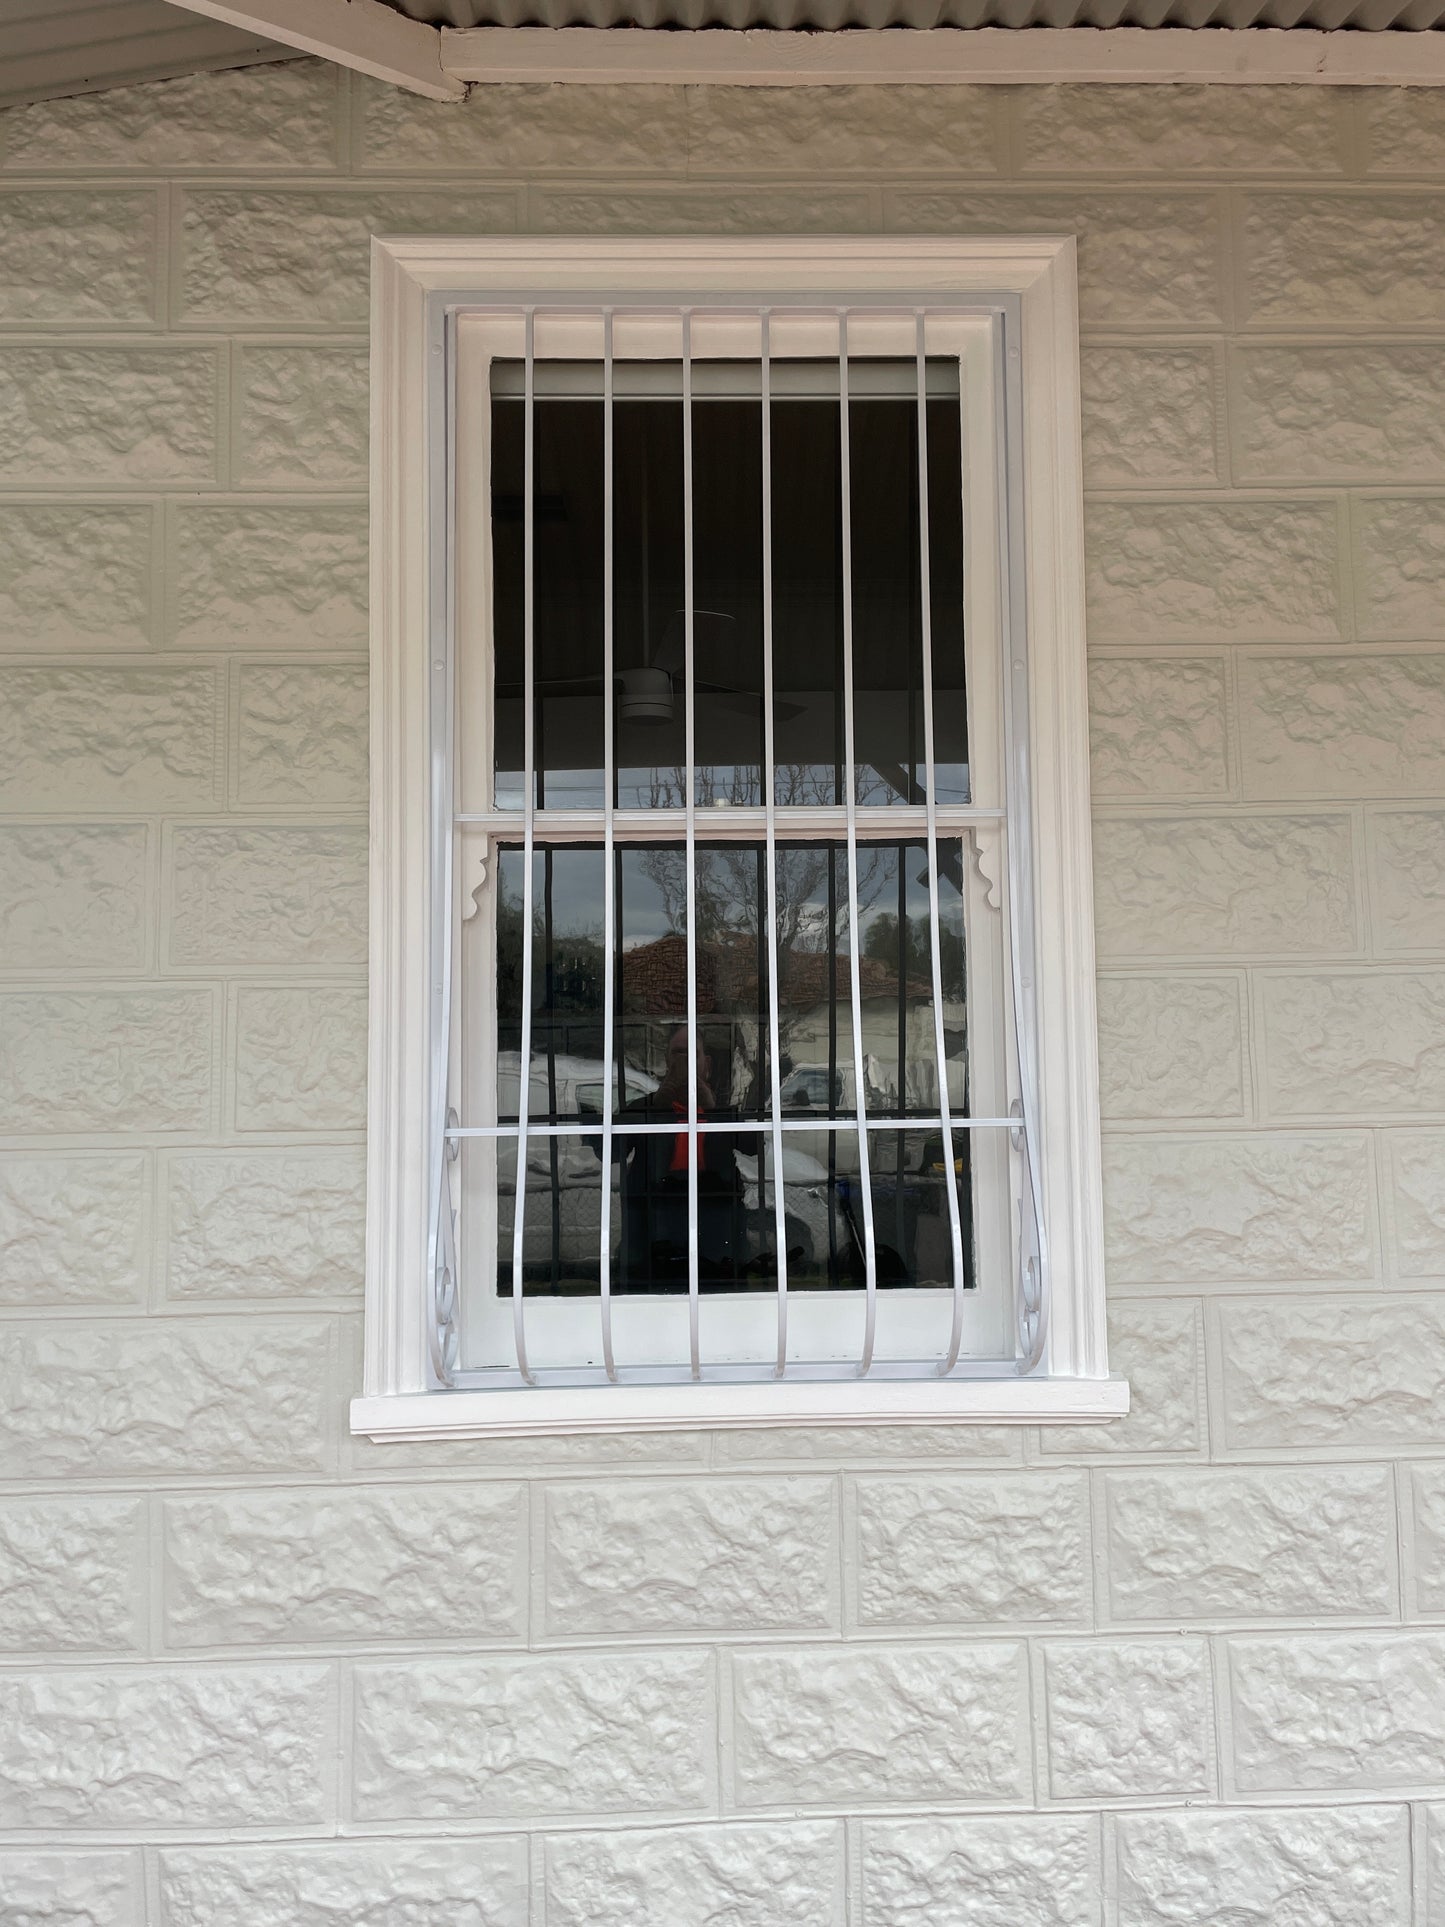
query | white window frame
(1039,489)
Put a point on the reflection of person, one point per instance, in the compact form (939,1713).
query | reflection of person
(655,1183)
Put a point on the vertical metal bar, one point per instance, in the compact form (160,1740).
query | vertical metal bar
(690,804)
(613,1086)
(780,1236)
(524,1077)
(930,804)
(855,989)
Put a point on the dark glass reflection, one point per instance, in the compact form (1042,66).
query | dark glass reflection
(568,1080)
(649,599)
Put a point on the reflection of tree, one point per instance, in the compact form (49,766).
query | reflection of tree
(915,957)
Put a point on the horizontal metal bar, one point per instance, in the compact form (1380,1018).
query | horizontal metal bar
(744,822)
(664,1128)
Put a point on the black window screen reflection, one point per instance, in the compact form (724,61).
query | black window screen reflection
(568,752)
(569,1083)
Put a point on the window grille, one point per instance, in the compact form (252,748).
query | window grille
(512,851)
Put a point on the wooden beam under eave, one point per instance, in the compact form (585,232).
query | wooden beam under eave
(947,56)
(362,34)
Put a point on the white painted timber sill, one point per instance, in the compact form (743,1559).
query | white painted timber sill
(415,282)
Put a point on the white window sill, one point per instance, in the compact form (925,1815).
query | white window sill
(709,1407)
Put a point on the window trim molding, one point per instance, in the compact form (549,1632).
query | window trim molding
(408,475)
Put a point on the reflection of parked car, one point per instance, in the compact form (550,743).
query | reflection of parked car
(806,1206)
(807,1089)
(574,1204)
(580,1084)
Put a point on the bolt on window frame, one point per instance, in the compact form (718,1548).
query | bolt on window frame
(1019,298)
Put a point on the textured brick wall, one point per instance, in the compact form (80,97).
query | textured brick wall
(255,1674)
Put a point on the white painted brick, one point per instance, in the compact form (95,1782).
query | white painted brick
(1157,726)
(81,738)
(249,578)
(87,416)
(1128,1717)
(1337,259)
(164,1397)
(362,1883)
(831,131)
(301,416)
(1360,1711)
(300,1059)
(1224,886)
(268,895)
(1407,879)
(1362,413)
(276,256)
(70,1888)
(1400,585)
(462,1737)
(1142,257)
(766,1876)
(1425,1509)
(1170,1047)
(881,1724)
(1336,1866)
(265,1224)
(1343,726)
(1238,1209)
(74,1230)
(95,1060)
(1286,1542)
(1366,1375)
(867,1444)
(1179,130)
(512,130)
(1417,1184)
(72,892)
(302,734)
(75,576)
(1212,571)
(1341,1045)
(393,1562)
(280,117)
(803,209)
(131,1749)
(1158,1348)
(77,254)
(1404,130)
(724,1556)
(949,1551)
(975,1871)
(475,1883)
(71,1572)
(1149,416)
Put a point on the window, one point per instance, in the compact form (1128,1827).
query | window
(732,1023)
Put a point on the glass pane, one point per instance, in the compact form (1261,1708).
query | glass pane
(649,633)
(568,1080)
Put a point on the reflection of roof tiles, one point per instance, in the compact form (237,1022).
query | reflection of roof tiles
(654,977)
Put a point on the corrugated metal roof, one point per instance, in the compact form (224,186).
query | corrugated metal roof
(831,15)
(51,48)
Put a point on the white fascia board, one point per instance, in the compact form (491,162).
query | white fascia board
(363,34)
(942,56)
